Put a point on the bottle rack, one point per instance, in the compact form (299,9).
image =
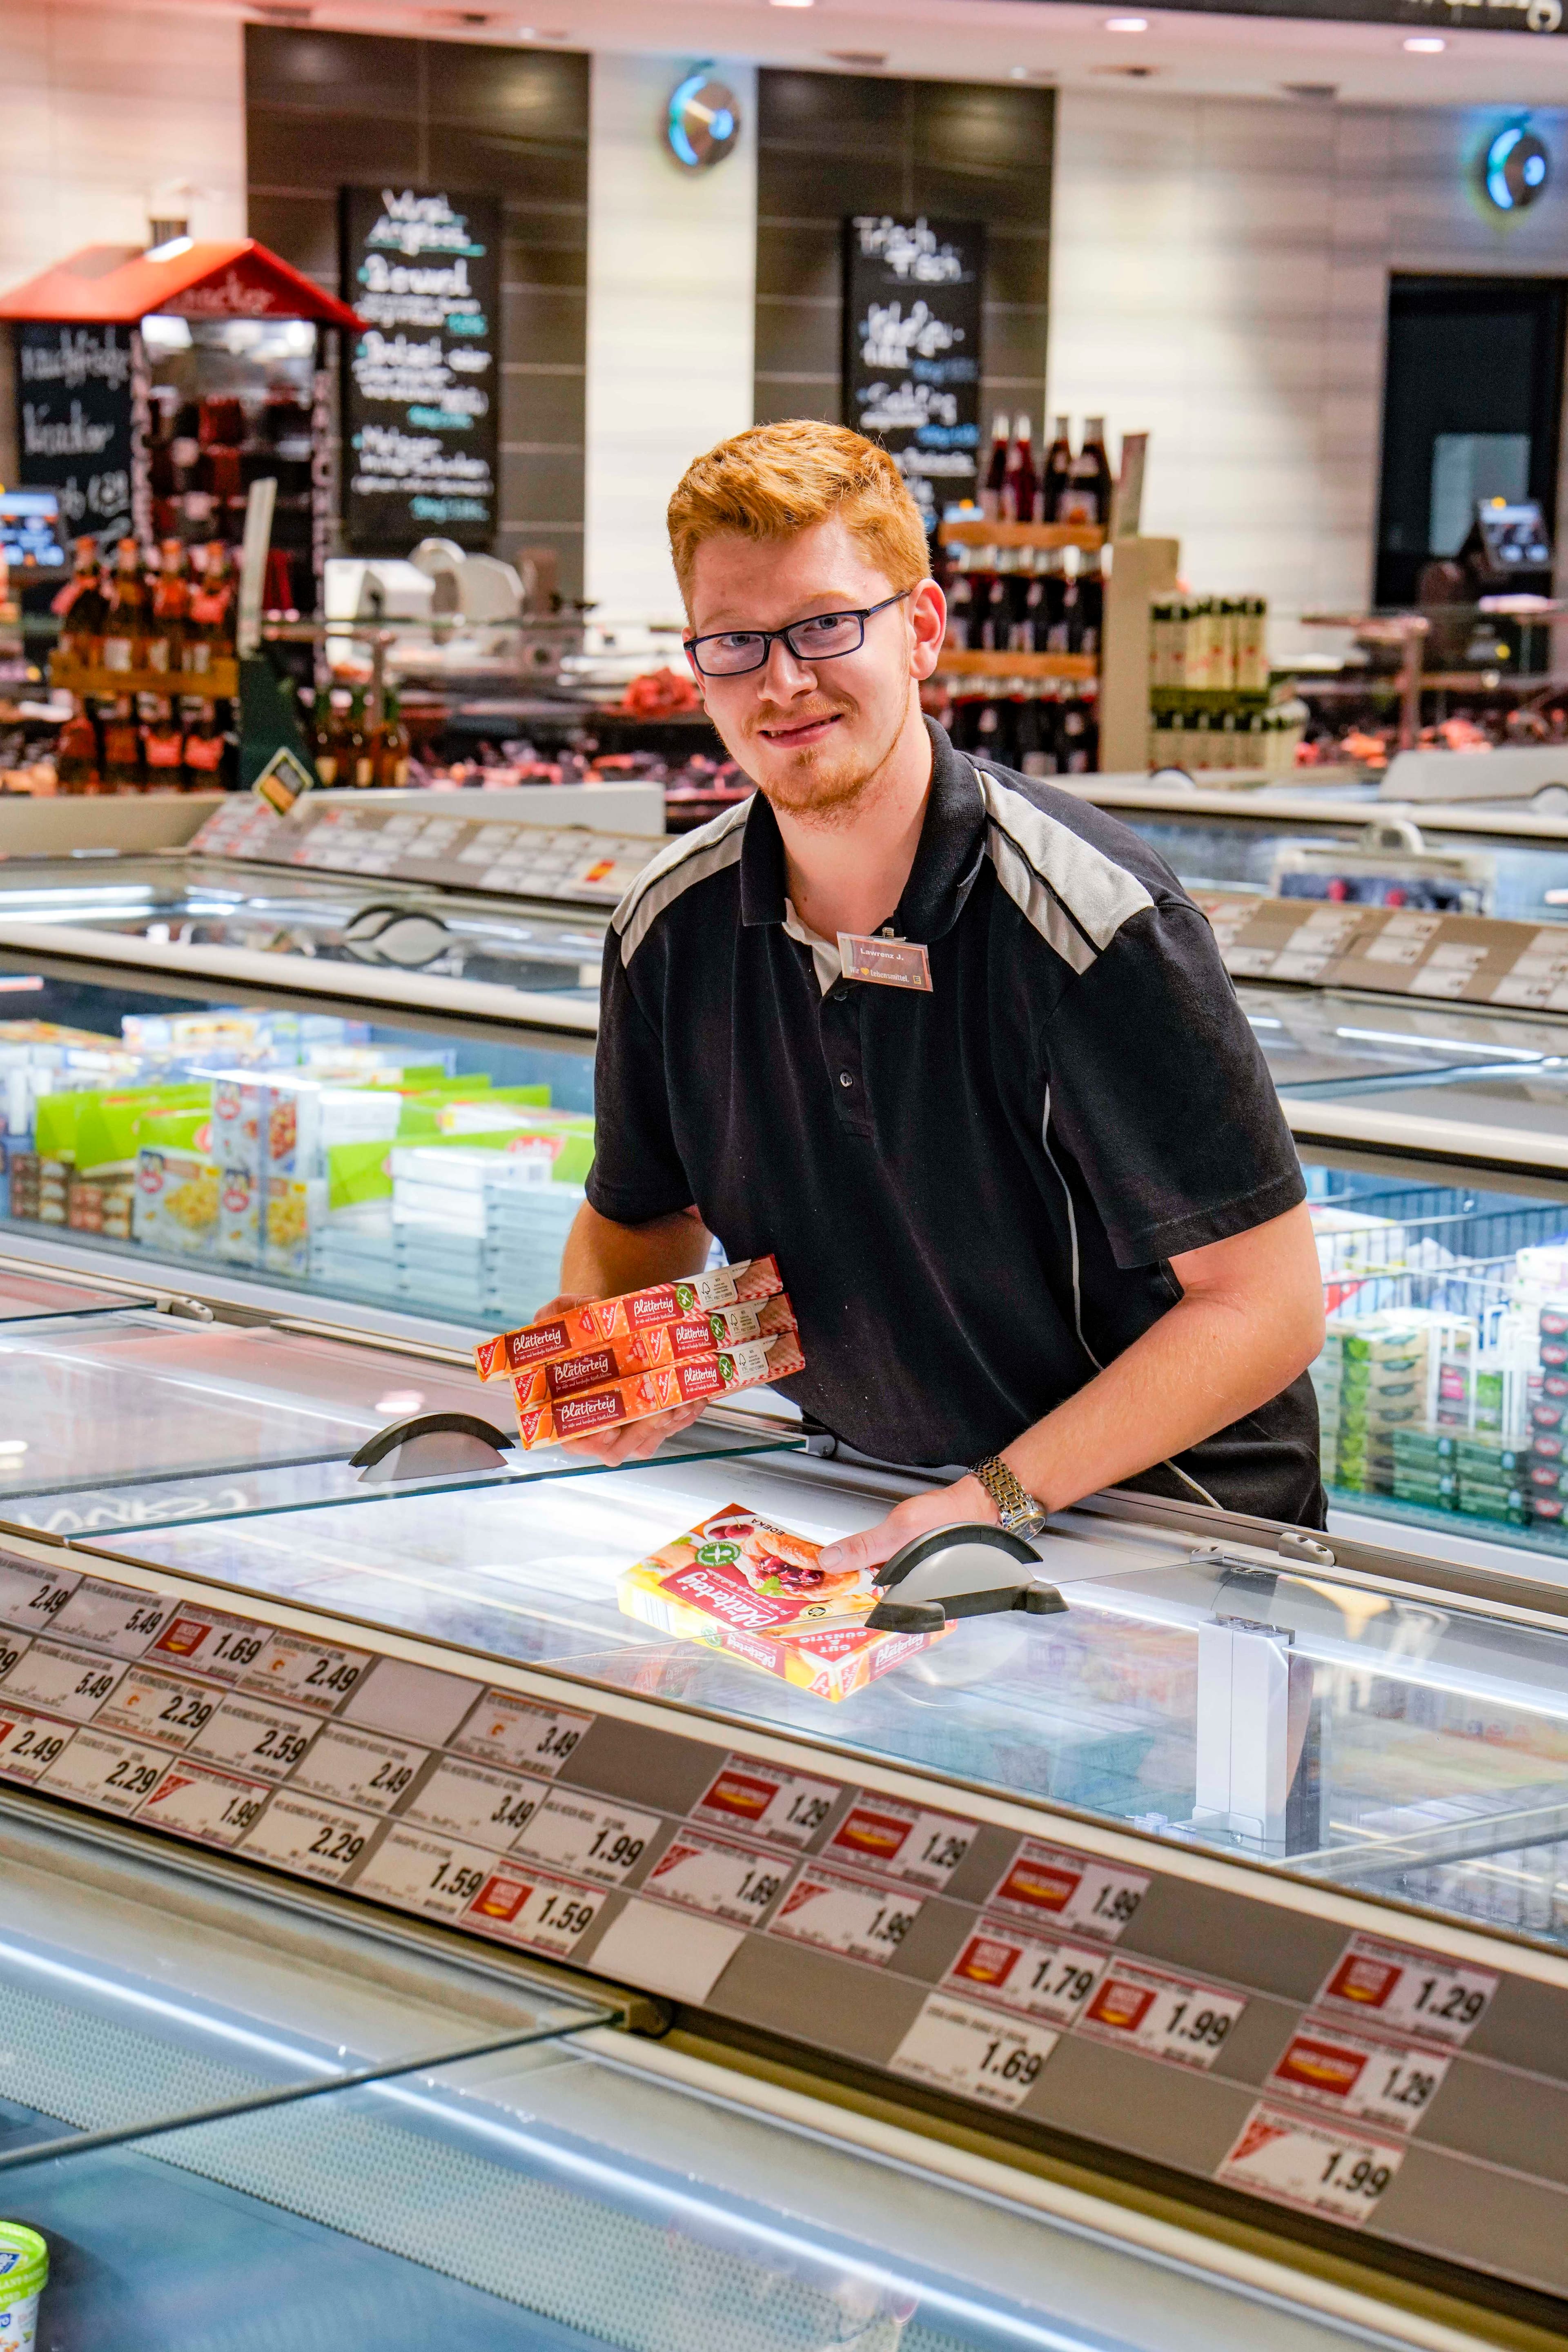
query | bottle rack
(218,683)
(984,532)
(1079,668)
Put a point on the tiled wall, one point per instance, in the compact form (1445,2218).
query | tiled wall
(1220,277)
(835,144)
(325,110)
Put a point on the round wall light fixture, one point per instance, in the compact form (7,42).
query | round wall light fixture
(1516,170)
(702,123)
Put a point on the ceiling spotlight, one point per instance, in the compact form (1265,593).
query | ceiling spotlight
(794,4)
(1127,24)
(1019,73)
(1425,45)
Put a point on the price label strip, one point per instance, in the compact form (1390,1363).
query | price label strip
(898,1841)
(1022,1972)
(29,1743)
(195,1803)
(435,1875)
(1311,2165)
(1414,1992)
(531,1908)
(505,1729)
(1163,2016)
(727,1882)
(766,1801)
(844,1915)
(1052,1884)
(251,1737)
(359,1768)
(974,2052)
(319,1840)
(1387,2083)
(167,1707)
(312,1673)
(103,1771)
(71,1683)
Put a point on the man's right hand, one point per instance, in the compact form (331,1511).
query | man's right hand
(633,1441)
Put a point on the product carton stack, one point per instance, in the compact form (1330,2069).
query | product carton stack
(1372,1378)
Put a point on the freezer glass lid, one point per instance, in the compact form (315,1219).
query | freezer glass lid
(1333,1045)
(1401,1746)
(30,1297)
(198,903)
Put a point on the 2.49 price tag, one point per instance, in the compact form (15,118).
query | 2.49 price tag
(974,2052)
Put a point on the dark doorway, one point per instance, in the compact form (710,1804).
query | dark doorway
(1472,398)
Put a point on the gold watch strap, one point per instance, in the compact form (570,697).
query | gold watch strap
(1013,1500)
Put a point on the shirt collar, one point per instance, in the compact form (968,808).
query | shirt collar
(947,859)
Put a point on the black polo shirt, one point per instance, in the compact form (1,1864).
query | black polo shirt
(973,1194)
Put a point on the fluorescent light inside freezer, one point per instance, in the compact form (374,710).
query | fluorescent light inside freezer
(1446,1045)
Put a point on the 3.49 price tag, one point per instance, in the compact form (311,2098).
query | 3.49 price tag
(766,1801)
(505,1729)
(1165,2017)
(470,1802)
(1415,1992)
(727,1882)
(974,2052)
(1311,2165)
(1052,1885)
(844,1915)
(1041,1979)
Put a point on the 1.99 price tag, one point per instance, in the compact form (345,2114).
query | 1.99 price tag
(1053,1887)
(1165,2017)
(974,2052)
(201,1804)
(842,1914)
(1311,2165)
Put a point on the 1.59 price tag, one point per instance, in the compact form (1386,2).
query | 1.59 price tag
(430,1875)
(974,2052)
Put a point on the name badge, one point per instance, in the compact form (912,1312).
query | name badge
(891,963)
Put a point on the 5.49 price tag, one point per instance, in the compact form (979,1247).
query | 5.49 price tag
(974,2052)
(1311,2165)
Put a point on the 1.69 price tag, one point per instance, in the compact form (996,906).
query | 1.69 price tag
(974,2052)
(727,1882)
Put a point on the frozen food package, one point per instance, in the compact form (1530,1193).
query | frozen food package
(598,1319)
(742,1584)
(707,1334)
(545,1422)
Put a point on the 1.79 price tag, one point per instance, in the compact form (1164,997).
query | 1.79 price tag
(1047,1980)
(974,2052)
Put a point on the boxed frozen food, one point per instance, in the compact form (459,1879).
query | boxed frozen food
(742,1584)
(720,1328)
(177,1203)
(598,1319)
(662,1390)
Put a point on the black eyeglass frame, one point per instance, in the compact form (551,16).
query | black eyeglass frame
(770,636)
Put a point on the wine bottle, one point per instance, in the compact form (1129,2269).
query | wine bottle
(995,470)
(1057,471)
(1019,491)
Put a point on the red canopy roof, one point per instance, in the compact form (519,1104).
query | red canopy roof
(231,277)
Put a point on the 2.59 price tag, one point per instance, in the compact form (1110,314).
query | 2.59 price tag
(1414,1991)
(1311,2165)
(974,2052)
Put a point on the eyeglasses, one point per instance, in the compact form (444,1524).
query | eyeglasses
(732,652)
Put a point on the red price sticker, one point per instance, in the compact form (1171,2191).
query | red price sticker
(920,1848)
(727,1882)
(212,1640)
(1413,1991)
(1388,2083)
(1020,1971)
(1163,2016)
(974,2052)
(766,1801)
(1311,2165)
(425,1873)
(844,1915)
(1050,1883)
(548,1914)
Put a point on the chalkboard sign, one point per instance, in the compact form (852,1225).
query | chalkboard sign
(421,386)
(75,409)
(911,348)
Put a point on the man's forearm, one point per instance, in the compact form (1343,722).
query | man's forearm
(601,1259)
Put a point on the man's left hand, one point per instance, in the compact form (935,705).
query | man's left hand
(949,1507)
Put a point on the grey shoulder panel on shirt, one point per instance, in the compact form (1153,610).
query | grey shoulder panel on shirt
(1068,891)
(693,858)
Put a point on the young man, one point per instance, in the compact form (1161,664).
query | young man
(1044,1217)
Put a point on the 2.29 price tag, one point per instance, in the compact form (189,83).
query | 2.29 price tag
(1311,2165)
(974,2052)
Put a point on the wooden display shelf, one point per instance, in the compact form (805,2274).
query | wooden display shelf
(983,532)
(1075,666)
(220,683)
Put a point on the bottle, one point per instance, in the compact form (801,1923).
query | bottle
(122,745)
(203,754)
(83,608)
(209,637)
(995,471)
(125,629)
(358,759)
(1092,607)
(1094,467)
(163,749)
(170,603)
(961,602)
(76,754)
(324,741)
(1019,488)
(391,749)
(1057,469)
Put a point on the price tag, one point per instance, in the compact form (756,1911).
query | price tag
(319,1841)
(310,1673)
(727,1882)
(425,1873)
(165,1707)
(786,1808)
(102,1770)
(1041,1979)
(363,1768)
(1388,2083)
(29,1743)
(844,1915)
(1052,1883)
(112,1617)
(32,1598)
(203,1804)
(68,1682)
(266,1740)
(1165,2017)
(218,1644)
(12,1647)
(471,1802)
(920,1848)
(505,1729)
(974,2052)
(593,1839)
(548,1914)
(1311,2165)
(1414,1991)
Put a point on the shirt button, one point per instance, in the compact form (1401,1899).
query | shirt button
(841,996)
(845,1079)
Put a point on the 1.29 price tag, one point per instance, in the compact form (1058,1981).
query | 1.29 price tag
(766,1801)
(974,2052)
(1386,2083)
(921,1849)
(1414,1991)
(1311,2165)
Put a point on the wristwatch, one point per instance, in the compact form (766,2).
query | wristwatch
(1016,1508)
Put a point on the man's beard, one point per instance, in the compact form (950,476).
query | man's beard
(827,791)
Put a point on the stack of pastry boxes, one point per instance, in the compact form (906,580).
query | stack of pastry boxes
(1372,1381)
(1547,1470)
(648,1351)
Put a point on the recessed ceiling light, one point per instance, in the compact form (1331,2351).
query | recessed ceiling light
(1425,45)
(1127,24)
(794,4)
(1019,73)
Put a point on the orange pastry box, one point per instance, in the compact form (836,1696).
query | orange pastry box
(546,1420)
(741,1584)
(636,1311)
(709,1334)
